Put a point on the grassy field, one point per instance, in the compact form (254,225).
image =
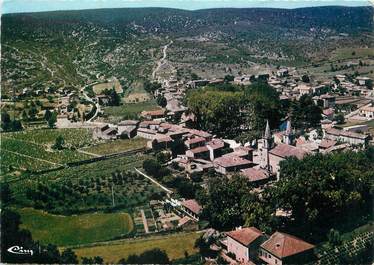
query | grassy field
(117,146)
(77,229)
(174,245)
(350,53)
(99,88)
(129,110)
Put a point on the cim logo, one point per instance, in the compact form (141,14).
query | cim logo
(20,251)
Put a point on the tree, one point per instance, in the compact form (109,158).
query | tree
(320,189)
(153,256)
(262,103)
(47,115)
(177,147)
(32,112)
(305,114)
(94,260)
(334,238)
(194,76)
(161,101)
(6,194)
(151,87)
(305,79)
(52,120)
(68,257)
(228,78)
(339,118)
(223,202)
(59,143)
(115,98)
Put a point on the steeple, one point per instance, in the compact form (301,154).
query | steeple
(267,134)
(287,135)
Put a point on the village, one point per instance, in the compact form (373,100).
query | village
(201,153)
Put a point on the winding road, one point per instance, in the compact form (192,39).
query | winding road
(162,60)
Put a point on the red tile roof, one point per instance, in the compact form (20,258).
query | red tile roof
(283,245)
(231,161)
(193,206)
(195,140)
(200,149)
(246,235)
(285,150)
(343,133)
(325,143)
(254,174)
(216,144)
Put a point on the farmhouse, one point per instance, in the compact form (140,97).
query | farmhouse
(281,152)
(351,138)
(105,132)
(282,248)
(244,243)
(256,176)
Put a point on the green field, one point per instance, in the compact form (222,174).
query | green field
(174,245)
(77,229)
(117,146)
(350,53)
(129,110)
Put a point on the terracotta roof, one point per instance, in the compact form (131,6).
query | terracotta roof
(193,206)
(285,150)
(283,245)
(184,220)
(199,133)
(128,123)
(160,138)
(328,111)
(216,143)
(153,113)
(145,130)
(367,108)
(254,174)
(199,149)
(231,161)
(325,143)
(195,140)
(246,235)
(343,133)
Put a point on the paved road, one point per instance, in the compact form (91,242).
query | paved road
(154,181)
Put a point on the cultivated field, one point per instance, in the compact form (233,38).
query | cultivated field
(174,245)
(129,110)
(77,229)
(117,146)
(99,88)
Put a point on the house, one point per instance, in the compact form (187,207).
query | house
(325,101)
(351,138)
(283,72)
(303,89)
(367,112)
(230,163)
(281,152)
(153,114)
(187,224)
(195,142)
(215,147)
(244,243)
(105,132)
(282,249)
(255,176)
(192,207)
(198,152)
(341,78)
(127,132)
(363,80)
(103,100)
(328,113)
(146,133)
(325,144)
(159,142)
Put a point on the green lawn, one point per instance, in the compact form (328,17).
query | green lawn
(117,146)
(129,110)
(174,245)
(76,229)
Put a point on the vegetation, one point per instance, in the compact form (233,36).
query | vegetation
(117,146)
(155,256)
(77,229)
(174,245)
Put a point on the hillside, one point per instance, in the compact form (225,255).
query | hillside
(70,48)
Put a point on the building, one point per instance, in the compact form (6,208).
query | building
(146,133)
(201,152)
(195,142)
(281,152)
(154,114)
(282,249)
(351,138)
(283,72)
(231,163)
(192,207)
(363,80)
(244,243)
(255,176)
(367,112)
(105,132)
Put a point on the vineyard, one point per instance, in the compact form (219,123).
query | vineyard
(117,146)
(31,150)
